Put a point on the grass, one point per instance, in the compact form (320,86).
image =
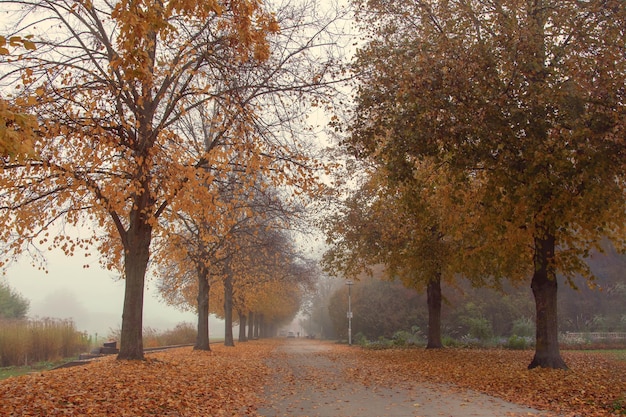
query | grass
(182,334)
(11,371)
(26,342)
(613,354)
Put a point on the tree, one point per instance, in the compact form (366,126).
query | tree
(114,82)
(264,275)
(316,304)
(298,68)
(12,304)
(380,307)
(528,98)
(382,224)
(236,257)
(418,224)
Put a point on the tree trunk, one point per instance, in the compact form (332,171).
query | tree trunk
(261,326)
(433,292)
(137,255)
(251,325)
(256,325)
(242,327)
(544,286)
(202,338)
(228,311)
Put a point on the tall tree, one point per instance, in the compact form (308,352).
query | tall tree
(315,306)
(114,81)
(12,304)
(295,77)
(412,224)
(264,275)
(528,97)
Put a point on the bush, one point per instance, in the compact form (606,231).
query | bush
(401,338)
(523,327)
(360,339)
(480,328)
(182,334)
(449,341)
(12,304)
(381,343)
(517,343)
(404,338)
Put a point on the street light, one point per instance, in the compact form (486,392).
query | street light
(349,284)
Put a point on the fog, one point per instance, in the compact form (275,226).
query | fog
(92,297)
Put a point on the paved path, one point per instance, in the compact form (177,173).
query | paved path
(308,382)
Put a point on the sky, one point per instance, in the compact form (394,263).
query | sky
(92,297)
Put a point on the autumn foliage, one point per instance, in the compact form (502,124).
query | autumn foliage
(231,381)
(523,101)
(143,108)
(594,386)
(179,382)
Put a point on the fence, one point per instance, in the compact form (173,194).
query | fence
(571,337)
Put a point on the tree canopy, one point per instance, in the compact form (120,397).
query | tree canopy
(17,130)
(525,97)
(115,84)
(12,304)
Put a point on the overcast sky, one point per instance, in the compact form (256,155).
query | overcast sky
(92,297)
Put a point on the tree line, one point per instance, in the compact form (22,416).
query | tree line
(472,316)
(484,142)
(166,132)
(489,139)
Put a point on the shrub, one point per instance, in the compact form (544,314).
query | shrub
(404,338)
(12,304)
(381,343)
(523,327)
(449,341)
(516,343)
(480,328)
(182,334)
(360,339)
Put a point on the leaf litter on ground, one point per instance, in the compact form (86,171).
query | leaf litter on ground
(230,381)
(594,385)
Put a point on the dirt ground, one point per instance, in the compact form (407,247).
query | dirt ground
(309,381)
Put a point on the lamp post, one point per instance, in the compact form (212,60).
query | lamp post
(349,284)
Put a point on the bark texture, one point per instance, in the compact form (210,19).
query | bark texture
(202,338)
(137,255)
(228,311)
(544,286)
(242,327)
(433,291)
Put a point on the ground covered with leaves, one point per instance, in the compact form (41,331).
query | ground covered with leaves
(177,382)
(231,381)
(595,385)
